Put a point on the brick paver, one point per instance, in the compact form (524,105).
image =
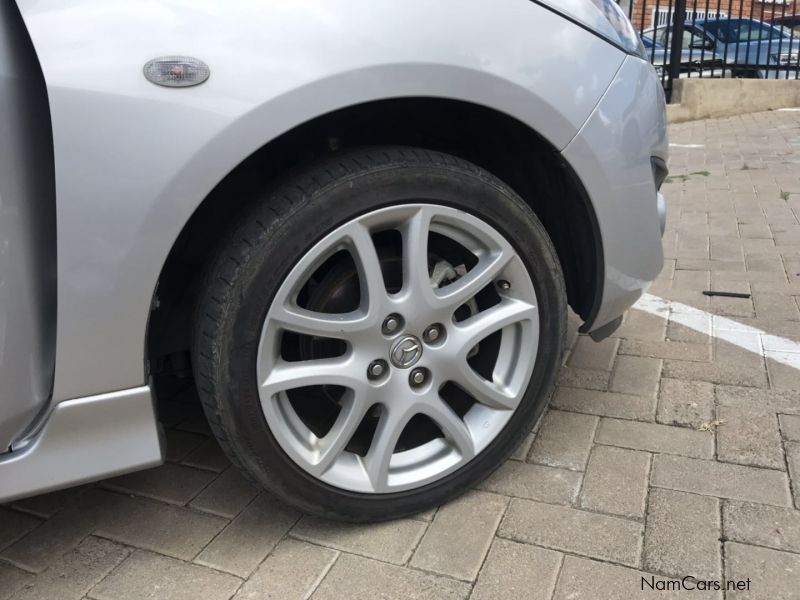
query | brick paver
(227,495)
(636,375)
(357,578)
(76,572)
(170,483)
(685,403)
(291,572)
(719,479)
(666,453)
(578,531)
(682,534)
(502,577)
(450,548)
(564,440)
(749,437)
(774,575)
(583,579)
(392,542)
(762,525)
(242,545)
(14,525)
(536,482)
(151,576)
(151,525)
(13,580)
(616,482)
(790,427)
(655,438)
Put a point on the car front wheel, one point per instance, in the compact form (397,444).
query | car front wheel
(379,333)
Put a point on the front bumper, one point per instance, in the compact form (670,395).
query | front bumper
(611,155)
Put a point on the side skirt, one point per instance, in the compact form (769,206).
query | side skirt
(83,440)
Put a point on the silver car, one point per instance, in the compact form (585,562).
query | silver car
(356,226)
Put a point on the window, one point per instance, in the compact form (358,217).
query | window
(742,30)
(690,36)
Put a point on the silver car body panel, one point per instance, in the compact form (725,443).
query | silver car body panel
(83,440)
(134,160)
(27,234)
(613,151)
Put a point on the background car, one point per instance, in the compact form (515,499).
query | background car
(692,63)
(747,46)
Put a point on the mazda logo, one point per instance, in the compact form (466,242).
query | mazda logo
(406,352)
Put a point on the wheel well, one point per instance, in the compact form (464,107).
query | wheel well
(498,143)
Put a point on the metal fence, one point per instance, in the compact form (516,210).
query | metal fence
(719,38)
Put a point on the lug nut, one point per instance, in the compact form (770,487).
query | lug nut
(376,369)
(417,377)
(432,333)
(391,324)
(504,285)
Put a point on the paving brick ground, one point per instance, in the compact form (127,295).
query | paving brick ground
(628,477)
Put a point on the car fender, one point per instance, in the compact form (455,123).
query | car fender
(133,160)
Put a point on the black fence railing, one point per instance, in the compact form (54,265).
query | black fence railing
(719,38)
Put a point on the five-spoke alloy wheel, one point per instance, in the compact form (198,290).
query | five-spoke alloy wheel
(380,333)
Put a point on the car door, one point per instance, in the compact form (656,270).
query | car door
(27,234)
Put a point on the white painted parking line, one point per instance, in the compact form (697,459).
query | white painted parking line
(781,350)
(789,110)
(687,146)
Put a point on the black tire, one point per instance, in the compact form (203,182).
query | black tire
(280,226)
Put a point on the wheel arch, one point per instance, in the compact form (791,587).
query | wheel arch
(493,140)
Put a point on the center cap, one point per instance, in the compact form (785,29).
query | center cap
(406,351)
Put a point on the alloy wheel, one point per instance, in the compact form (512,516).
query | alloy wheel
(398,348)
